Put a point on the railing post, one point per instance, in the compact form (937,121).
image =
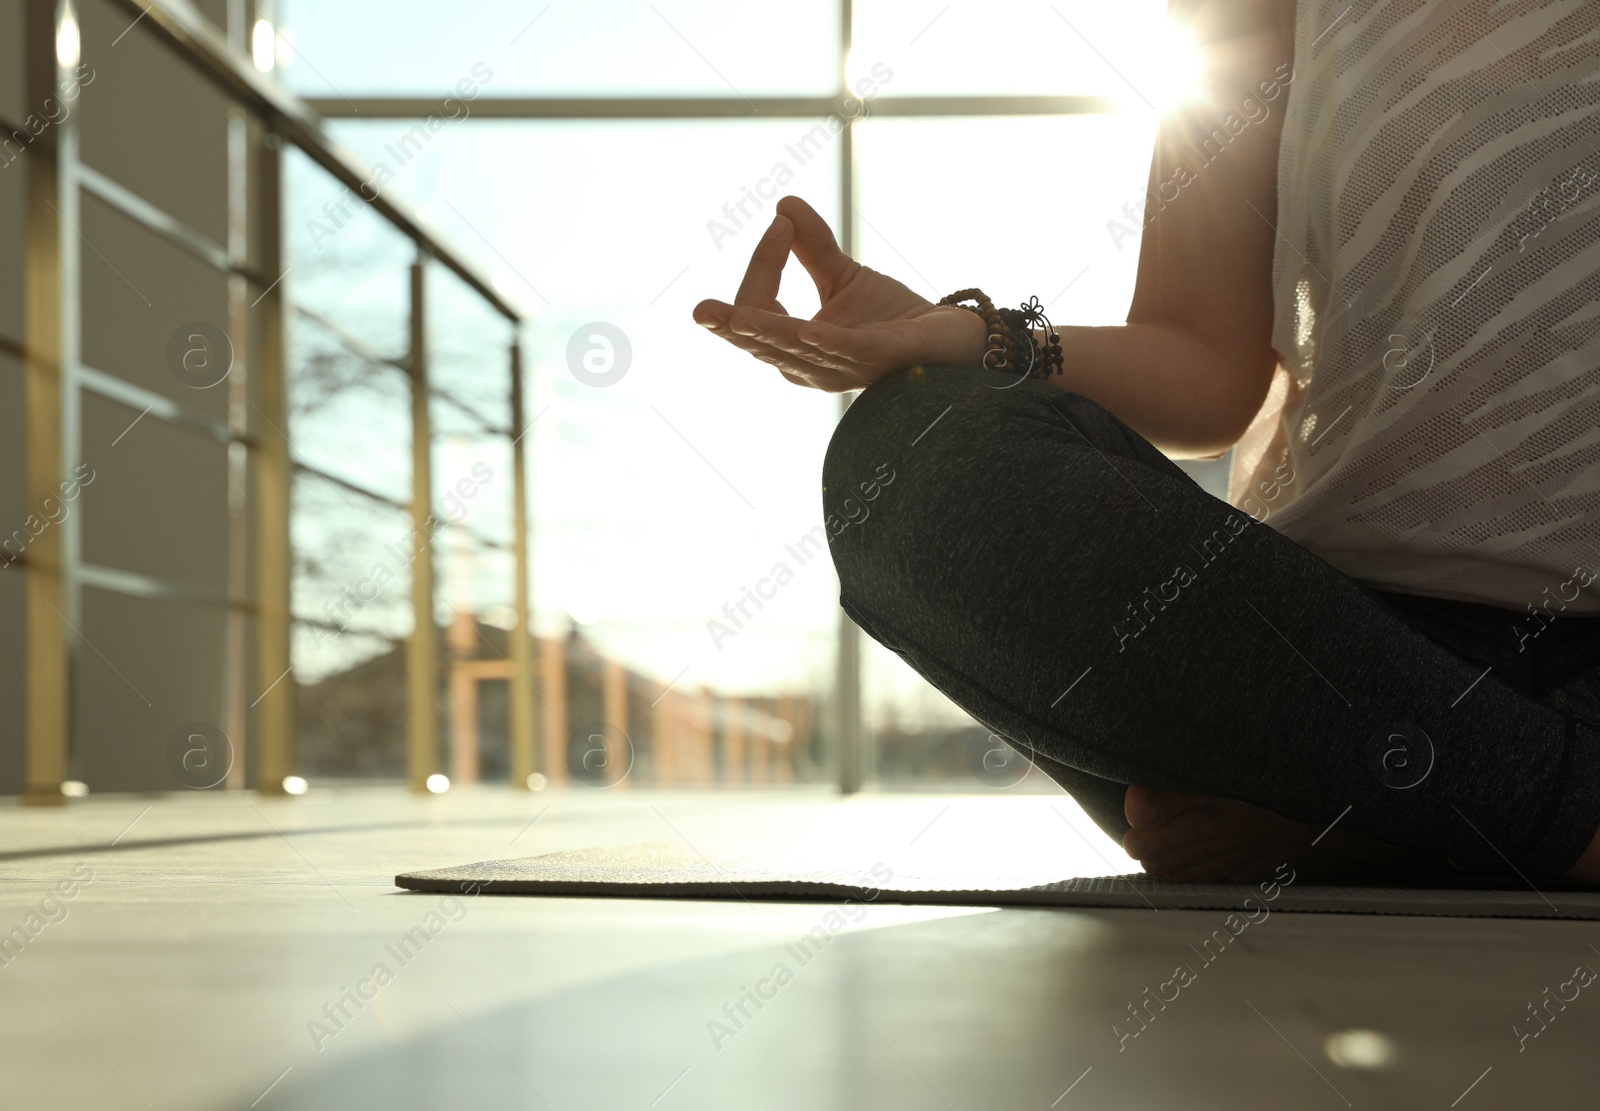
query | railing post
(51,339)
(274,741)
(236,672)
(422,647)
(522,709)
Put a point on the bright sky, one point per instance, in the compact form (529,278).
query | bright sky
(660,497)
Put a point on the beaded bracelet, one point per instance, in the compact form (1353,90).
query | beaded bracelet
(1010,332)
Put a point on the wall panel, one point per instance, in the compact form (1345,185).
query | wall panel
(158,501)
(151,123)
(144,670)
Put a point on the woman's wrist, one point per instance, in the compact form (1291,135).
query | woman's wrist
(974,338)
(1010,342)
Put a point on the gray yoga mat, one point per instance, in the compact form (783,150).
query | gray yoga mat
(675,872)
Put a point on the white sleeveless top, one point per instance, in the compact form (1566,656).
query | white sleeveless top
(1434,426)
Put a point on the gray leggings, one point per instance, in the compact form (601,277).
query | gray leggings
(1078,594)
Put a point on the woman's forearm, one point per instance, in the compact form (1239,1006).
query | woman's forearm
(1165,384)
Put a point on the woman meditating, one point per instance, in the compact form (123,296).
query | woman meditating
(1384,650)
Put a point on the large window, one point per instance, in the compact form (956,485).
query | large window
(613,163)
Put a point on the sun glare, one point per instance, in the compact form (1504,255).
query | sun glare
(68,41)
(263,46)
(1175,68)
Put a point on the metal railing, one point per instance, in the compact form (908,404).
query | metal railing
(263,118)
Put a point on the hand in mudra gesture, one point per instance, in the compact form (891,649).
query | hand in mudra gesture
(868,325)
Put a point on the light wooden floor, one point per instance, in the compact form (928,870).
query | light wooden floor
(217,929)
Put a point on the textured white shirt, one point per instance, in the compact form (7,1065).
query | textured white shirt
(1434,427)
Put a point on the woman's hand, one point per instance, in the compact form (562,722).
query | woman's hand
(869,324)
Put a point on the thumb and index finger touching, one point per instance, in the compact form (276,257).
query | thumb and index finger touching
(798,228)
(816,248)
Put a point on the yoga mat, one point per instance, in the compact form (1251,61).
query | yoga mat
(668,871)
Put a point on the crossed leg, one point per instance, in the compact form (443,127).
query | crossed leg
(1077,593)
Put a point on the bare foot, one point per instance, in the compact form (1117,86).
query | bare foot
(1199,839)
(1587,870)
